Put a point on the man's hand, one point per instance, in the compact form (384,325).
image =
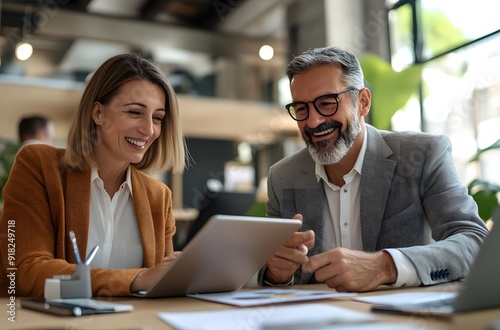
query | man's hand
(349,270)
(290,256)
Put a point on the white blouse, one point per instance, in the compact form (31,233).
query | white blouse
(113,226)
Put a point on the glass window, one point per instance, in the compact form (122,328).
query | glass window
(447,25)
(460,79)
(401,37)
(462,100)
(442,26)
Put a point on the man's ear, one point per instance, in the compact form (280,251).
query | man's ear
(97,113)
(365,101)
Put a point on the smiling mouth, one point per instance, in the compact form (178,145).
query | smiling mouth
(136,142)
(325,132)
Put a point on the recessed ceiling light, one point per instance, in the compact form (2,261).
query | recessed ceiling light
(266,52)
(24,51)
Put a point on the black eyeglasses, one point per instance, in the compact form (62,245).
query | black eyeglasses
(326,105)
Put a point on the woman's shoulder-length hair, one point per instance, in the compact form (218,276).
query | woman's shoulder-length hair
(166,153)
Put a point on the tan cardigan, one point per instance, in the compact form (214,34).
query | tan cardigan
(45,202)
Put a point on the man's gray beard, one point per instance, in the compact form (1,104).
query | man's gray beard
(325,153)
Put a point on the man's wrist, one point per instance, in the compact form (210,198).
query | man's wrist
(390,270)
(268,282)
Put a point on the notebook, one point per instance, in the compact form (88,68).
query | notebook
(481,289)
(224,255)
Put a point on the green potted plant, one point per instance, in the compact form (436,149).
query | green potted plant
(390,89)
(8,151)
(485,193)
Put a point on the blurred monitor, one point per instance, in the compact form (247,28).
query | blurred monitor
(221,202)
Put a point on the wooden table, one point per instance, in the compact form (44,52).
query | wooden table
(144,316)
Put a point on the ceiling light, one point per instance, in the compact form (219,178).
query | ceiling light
(266,52)
(24,51)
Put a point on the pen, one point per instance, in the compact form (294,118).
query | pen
(75,247)
(91,255)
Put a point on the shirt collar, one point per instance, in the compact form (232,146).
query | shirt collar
(94,175)
(128,180)
(320,169)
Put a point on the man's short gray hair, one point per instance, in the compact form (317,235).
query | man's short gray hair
(353,75)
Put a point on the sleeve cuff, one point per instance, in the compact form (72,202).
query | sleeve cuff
(290,282)
(407,274)
(262,279)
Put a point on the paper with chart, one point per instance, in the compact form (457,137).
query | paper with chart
(269,296)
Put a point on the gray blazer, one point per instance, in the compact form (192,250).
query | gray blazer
(411,199)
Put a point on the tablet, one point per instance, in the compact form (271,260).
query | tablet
(224,255)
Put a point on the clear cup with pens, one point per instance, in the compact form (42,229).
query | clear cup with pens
(76,285)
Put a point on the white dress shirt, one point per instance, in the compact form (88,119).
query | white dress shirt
(341,217)
(113,226)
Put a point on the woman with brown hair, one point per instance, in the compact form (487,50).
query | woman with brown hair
(127,124)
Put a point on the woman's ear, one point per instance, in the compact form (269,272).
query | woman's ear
(97,113)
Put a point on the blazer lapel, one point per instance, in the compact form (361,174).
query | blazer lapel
(376,181)
(77,213)
(308,199)
(144,217)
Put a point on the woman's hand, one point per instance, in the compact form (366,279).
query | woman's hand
(148,277)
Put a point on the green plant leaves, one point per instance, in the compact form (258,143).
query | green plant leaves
(8,151)
(390,89)
(495,145)
(258,210)
(484,194)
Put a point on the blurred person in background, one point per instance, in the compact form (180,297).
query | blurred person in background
(35,129)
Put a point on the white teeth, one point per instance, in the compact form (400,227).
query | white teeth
(328,131)
(135,142)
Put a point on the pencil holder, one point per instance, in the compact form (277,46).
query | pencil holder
(76,285)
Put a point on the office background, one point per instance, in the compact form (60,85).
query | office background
(438,59)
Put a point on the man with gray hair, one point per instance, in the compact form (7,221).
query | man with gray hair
(377,207)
